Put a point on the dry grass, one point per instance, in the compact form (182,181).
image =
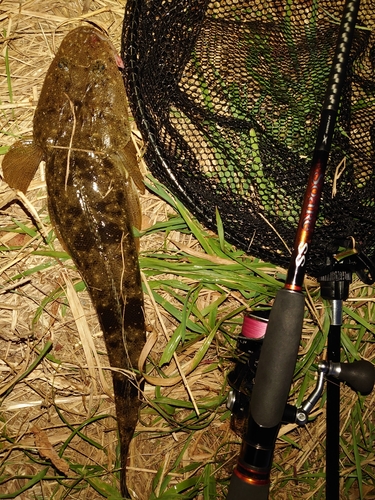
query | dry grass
(42,303)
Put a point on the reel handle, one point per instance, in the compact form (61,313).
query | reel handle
(359,375)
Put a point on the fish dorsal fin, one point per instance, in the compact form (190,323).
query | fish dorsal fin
(20,164)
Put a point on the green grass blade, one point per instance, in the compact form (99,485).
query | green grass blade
(357,460)
(47,347)
(76,431)
(106,490)
(209,484)
(33,481)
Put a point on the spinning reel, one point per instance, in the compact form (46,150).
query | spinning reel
(359,375)
(342,261)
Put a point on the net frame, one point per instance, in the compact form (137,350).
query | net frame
(227,96)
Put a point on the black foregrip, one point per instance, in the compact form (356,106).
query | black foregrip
(240,489)
(277,358)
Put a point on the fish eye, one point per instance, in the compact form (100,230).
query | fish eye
(98,66)
(63,64)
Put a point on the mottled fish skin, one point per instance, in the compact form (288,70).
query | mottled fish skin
(82,126)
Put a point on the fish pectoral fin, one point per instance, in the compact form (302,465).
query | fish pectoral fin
(129,160)
(20,164)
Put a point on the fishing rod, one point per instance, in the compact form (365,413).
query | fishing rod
(278,355)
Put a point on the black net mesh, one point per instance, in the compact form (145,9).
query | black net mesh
(227,95)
